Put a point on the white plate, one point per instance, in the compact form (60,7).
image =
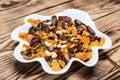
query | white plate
(74,14)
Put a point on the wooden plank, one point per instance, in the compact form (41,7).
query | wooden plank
(114,75)
(93,73)
(31,6)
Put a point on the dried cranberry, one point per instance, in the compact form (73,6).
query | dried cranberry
(54,20)
(77,22)
(90,30)
(31,30)
(59,52)
(35,39)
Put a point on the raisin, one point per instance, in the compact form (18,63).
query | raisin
(68,38)
(90,30)
(47,58)
(62,37)
(71,55)
(62,58)
(63,25)
(47,20)
(39,27)
(54,20)
(52,38)
(64,18)
(77,22)
(79,32)
(36,39)
(29,52)
(31,30)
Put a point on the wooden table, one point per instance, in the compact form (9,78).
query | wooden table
(106,15)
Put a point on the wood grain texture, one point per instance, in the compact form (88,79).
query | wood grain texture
(105,13)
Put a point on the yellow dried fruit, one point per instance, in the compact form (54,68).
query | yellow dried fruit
(85,40)
(55,65)
(94,43)
(33,22)
(85,33)
(23,35)
(102,41)
(51,41)
(62,63)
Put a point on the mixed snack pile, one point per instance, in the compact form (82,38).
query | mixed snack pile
(58,40)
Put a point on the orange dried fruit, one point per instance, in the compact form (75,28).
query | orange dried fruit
(26,46)
(42,54)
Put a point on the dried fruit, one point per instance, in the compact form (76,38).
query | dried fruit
(54,20)
(58,40)
(61,63)
(35,40)
(77,22)
(90,30)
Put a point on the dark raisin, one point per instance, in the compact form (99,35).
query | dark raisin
(63,25)
(79,44)
(39,27)
(46,21)
(35,40)
(29,52)
(79,28)
(97,38)
(52,38)
(68,38)
(31,30)
(79,32)
(62,58)
(64,18)
(47,58)
(45,28)
(71,50)
(62,37)
(90,30)
(54,20)
(77,22)
(71,55)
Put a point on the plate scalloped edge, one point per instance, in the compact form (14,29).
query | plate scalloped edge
(74,14)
